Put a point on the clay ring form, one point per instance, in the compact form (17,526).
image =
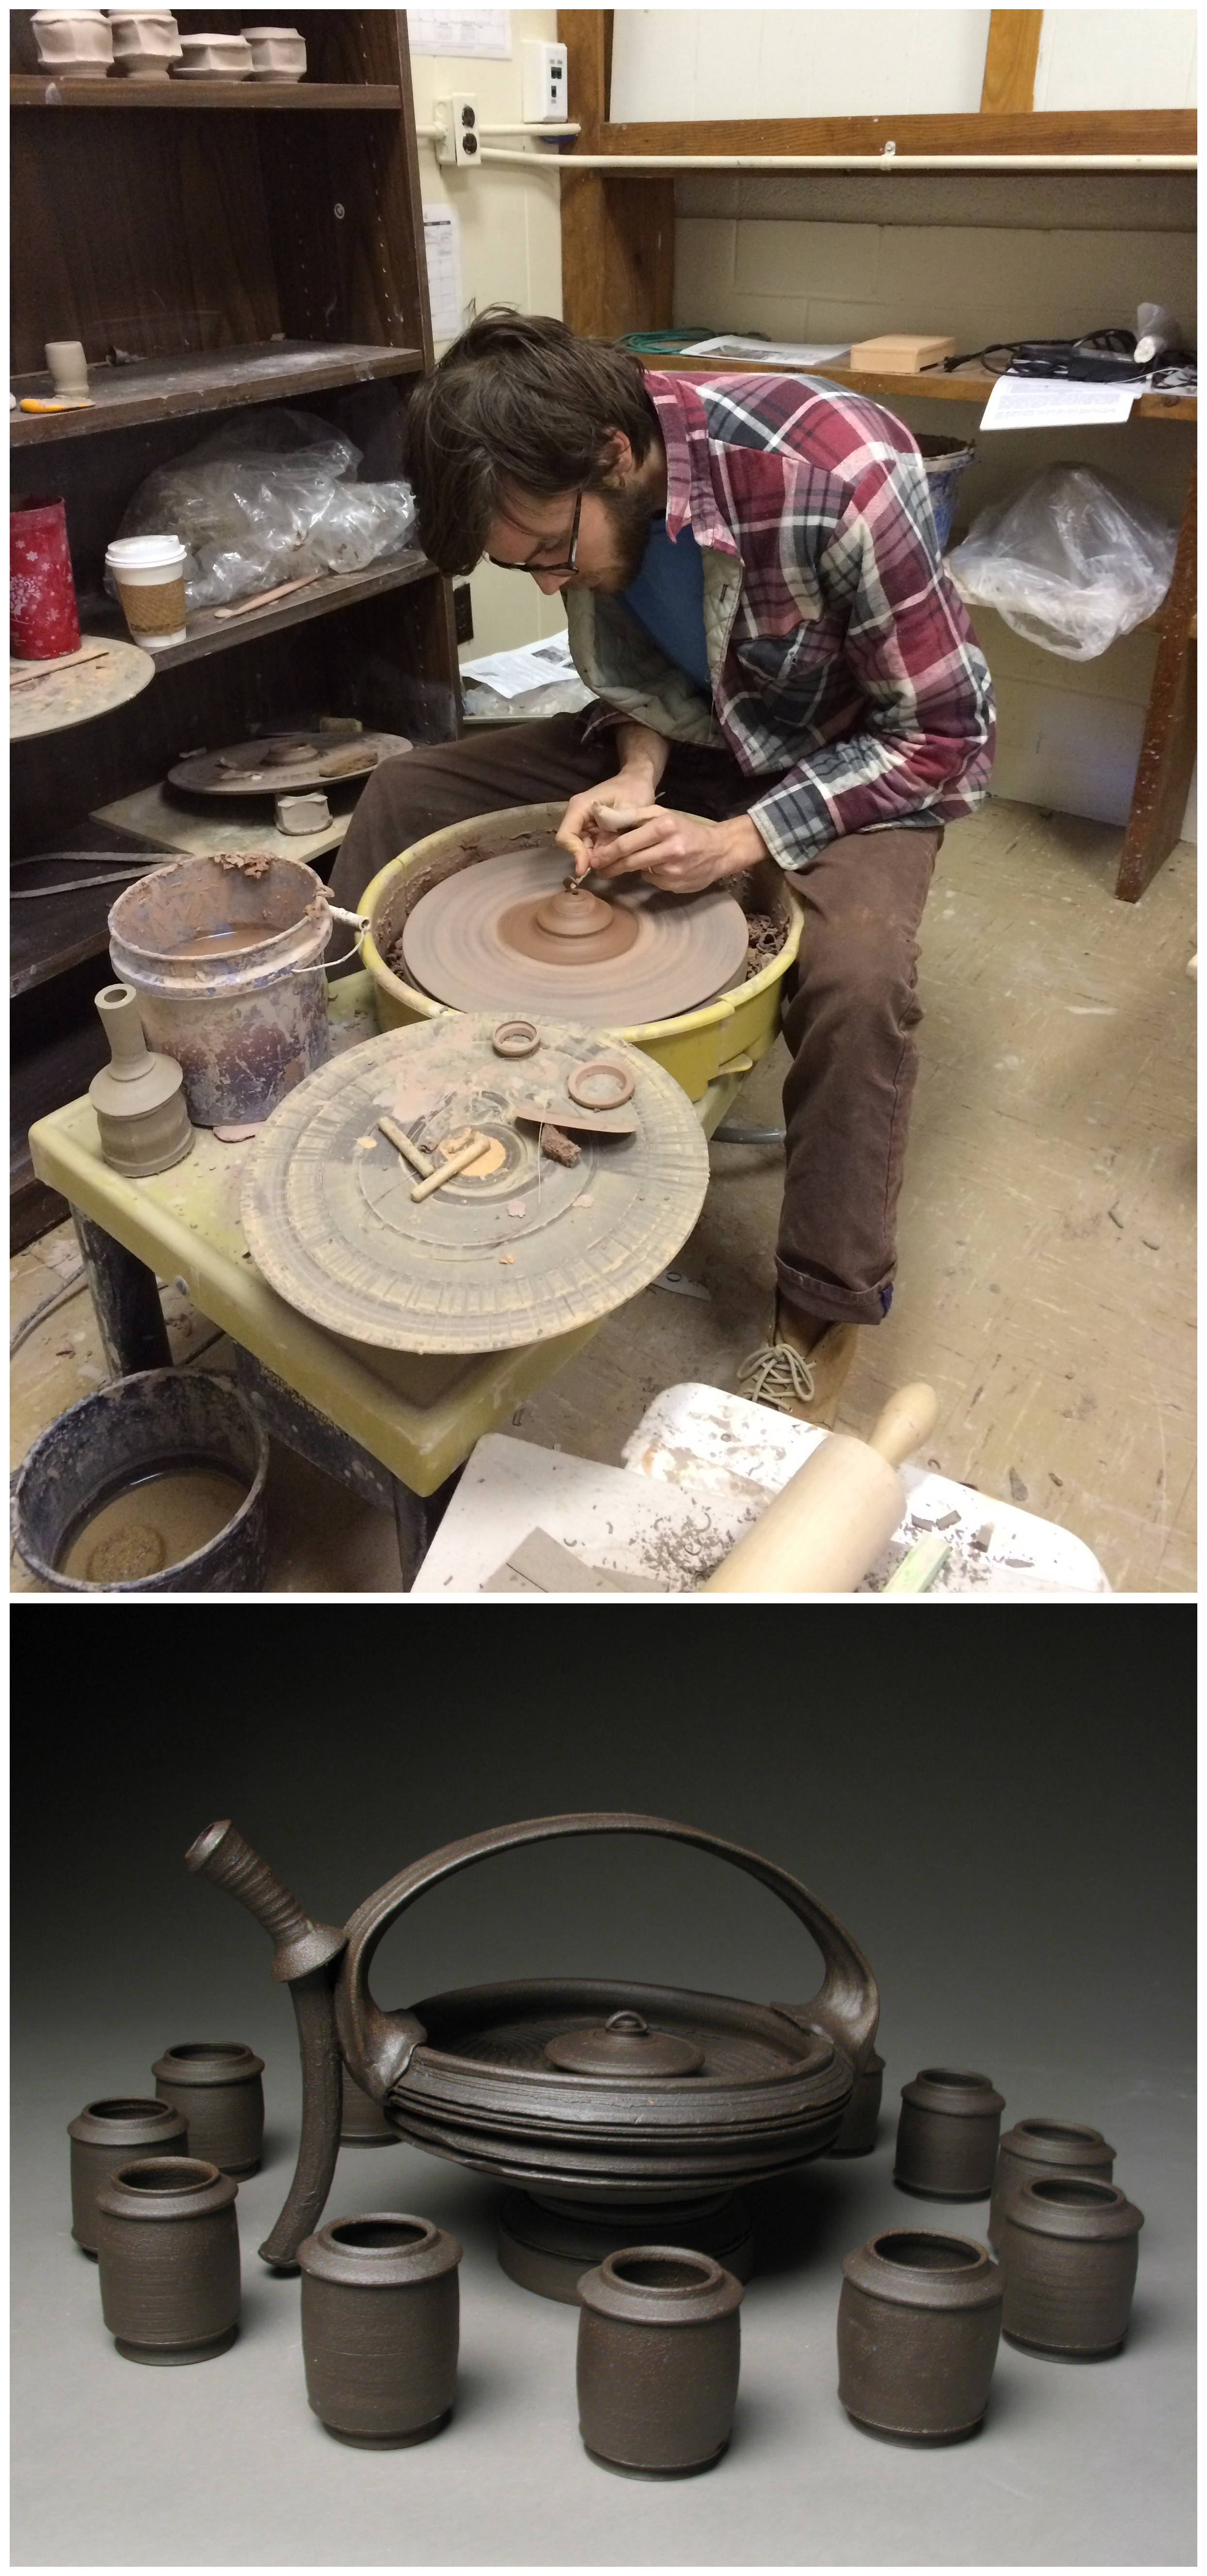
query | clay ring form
(602,1083)
(520,1037)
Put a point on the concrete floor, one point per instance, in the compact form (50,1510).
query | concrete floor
(1046,1281)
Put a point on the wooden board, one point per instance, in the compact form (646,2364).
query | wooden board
(1011,56)
(33,89)
(204,381)
(165,822)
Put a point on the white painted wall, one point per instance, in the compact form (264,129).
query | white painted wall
(511,253)
(687,63)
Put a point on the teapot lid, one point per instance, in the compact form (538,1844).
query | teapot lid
(625,2046)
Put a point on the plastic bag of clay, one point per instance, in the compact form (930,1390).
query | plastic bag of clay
(1071,562)
(268,498)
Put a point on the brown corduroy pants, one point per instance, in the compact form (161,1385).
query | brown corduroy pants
(851,1006)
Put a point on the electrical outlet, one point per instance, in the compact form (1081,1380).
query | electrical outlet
(544,82)
(463,612)
(459,146)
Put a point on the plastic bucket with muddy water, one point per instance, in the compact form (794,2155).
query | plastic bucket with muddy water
(153,1484)
(226,957)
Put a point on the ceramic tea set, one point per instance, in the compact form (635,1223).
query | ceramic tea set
(625,2120)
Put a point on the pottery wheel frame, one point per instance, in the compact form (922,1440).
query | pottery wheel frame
(330,1222)
(688,949)
(199,773)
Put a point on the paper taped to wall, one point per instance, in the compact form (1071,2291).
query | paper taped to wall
(443,253)
(1051,402)
(484,32)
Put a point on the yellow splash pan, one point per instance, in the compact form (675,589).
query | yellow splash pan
(727,1035)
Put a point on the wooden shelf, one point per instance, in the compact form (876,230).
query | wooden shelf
(62,931)
(209,380)
(208,633)
(33,89)
(966,385)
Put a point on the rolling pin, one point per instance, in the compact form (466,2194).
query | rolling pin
(829,1524)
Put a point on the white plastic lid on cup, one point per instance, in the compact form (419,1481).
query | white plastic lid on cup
(144,554)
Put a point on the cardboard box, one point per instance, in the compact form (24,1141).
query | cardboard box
(899,353)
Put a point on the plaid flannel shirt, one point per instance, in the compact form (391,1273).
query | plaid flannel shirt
(846,665)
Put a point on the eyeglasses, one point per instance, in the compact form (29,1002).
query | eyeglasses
(570,566)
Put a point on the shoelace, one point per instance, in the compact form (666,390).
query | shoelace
(777,1376)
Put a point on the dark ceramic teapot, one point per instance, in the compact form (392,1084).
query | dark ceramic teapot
(617,2107)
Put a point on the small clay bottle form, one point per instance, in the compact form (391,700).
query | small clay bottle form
(363,2123)
(380,2328)
(1068,2258)
(216,2084)
(168,2256)
(138,1097)
(107,2134)
(1033,2149)
(947,2135)
(919,2320)
(659,2344)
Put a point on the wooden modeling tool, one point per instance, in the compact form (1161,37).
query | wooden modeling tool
(411,1153)
(829,1524)
(449,1168)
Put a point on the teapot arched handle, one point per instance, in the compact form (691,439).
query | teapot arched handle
(378,2045)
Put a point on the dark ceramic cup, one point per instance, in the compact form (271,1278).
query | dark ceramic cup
(947,2135)
(110,2133)
(919,2320)
(363,2123)
(659,2344)
(216,2084)
(1034,2149)
(168,2255)
(1068,2257)
(380,2328)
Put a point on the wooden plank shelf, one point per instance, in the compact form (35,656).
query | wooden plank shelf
(32,89)
(964,385)
(208,633)
(205,381)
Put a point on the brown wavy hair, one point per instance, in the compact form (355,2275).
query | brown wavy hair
(519,400)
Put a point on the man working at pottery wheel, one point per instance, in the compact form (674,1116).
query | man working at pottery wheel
(753,588)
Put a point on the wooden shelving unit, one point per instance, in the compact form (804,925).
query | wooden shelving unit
(249,244)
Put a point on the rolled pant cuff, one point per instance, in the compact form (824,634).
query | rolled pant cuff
(838,1305)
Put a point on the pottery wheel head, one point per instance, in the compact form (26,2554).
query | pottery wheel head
(512,933)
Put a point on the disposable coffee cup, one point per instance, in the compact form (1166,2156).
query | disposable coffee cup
(149,576)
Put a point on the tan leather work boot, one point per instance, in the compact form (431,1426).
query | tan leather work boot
(803,1368)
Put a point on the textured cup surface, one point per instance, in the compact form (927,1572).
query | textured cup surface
(659,2348)
(216,2084)
(919,2319)
(168,2256)
(380,2328)
(109,2133)
(1035,2148)
(1068,2258)
(947,2134)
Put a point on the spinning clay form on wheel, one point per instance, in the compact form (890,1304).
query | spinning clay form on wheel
(514,934)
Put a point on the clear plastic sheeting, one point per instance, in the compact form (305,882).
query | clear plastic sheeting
(268,498)
(1071,562)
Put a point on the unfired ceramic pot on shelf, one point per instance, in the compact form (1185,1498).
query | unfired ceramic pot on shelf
(210,55)
(659,2347)
(380,2328)
(1068,2259)
(947,2135)
(277,53)
(216,2084)
(146,42)
(168,2257)
(111,2133)
(919,2320)
(74,44)
(1035,2149)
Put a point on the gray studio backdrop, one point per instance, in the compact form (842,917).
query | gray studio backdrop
(1000,1809)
